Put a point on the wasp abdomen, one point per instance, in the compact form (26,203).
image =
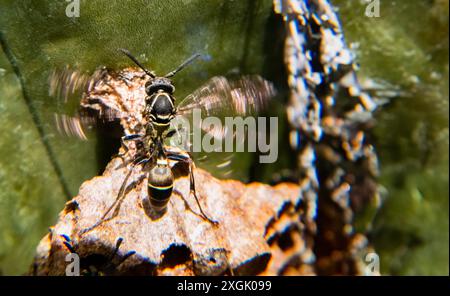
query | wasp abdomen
(160,185)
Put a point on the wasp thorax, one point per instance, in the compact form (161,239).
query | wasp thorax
(160,108)
(160,185)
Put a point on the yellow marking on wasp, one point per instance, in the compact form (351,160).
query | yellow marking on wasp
(160,124)
(160,187)
(161,161)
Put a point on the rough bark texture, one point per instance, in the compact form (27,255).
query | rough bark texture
(248,239)
(329,114)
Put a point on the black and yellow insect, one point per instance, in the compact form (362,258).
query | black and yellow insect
(159,111)
(219,97)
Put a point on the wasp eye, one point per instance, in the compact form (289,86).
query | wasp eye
(148,89)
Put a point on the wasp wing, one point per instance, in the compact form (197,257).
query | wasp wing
(106,97)
(220,97)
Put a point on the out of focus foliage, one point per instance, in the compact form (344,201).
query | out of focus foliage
(406,50)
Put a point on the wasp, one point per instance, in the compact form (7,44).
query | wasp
(219,96)
(151,152)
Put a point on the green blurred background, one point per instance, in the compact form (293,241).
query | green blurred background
(405,49)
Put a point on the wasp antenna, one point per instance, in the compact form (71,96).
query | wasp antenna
(184,64)
(128,54)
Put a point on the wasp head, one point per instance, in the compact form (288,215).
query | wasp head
(159,84)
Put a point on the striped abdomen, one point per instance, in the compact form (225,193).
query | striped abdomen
(160,185)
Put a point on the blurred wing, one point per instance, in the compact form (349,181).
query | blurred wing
(67,87)
(221,97)
(88,101)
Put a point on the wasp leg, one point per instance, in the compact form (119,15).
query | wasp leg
(124,139)
(68,243)
(115,252)
(124,191)
(132,137)
(119,199)
(187,158)
(192,185)
(171,133)
(109,266)
(181,139)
